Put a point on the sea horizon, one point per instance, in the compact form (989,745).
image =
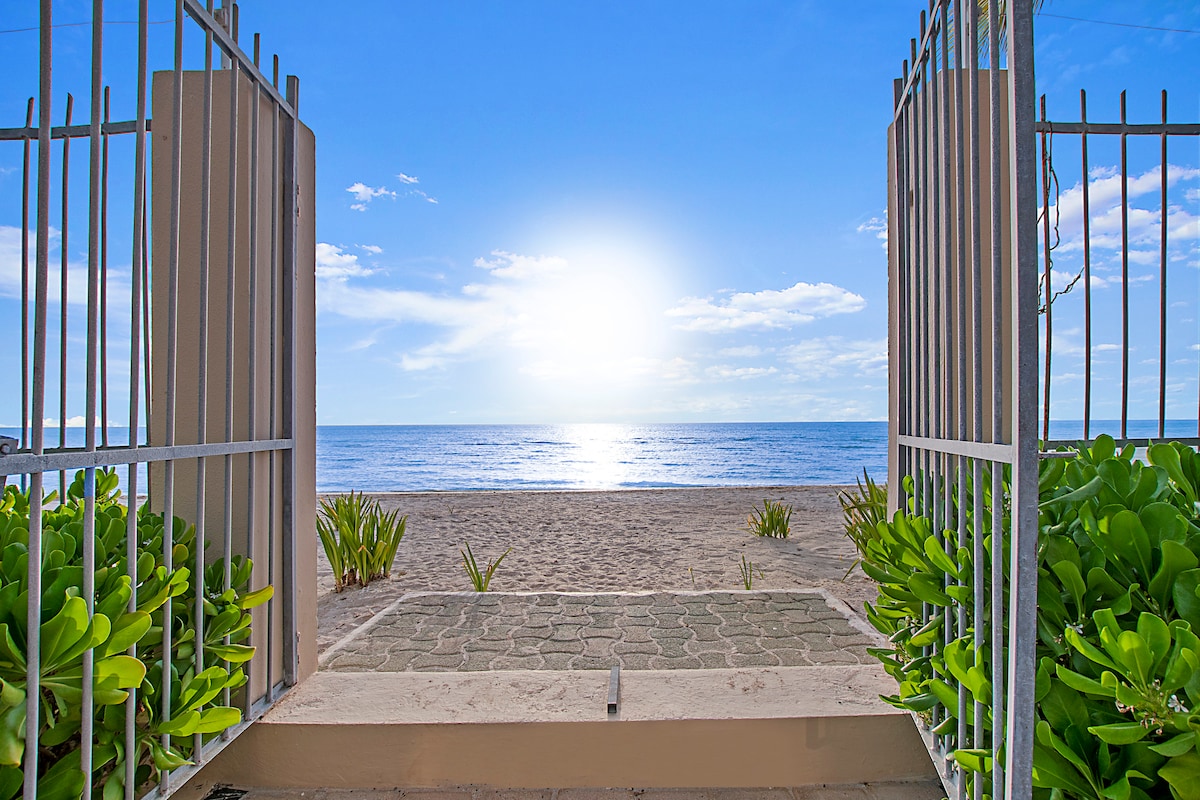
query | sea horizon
(606,456)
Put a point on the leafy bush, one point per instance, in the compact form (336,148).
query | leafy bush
(66,633)
(773,520)
(1118,673)
(480,579)
(360,538)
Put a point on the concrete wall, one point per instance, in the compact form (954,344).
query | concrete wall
(947,381)
(255,499)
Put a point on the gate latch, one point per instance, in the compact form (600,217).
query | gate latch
(8,445)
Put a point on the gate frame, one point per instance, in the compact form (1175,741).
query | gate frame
(926,383)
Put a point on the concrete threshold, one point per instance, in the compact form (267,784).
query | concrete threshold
(720,728)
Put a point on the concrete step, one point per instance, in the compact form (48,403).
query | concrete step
(892,790)
(723,729)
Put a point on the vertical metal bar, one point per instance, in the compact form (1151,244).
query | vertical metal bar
(172,343)
(33,621)
(104,276)
(25,168)
(1162,283)
(252,351)
(230,317)
(88,711)
(202,354)
(1022,655)
(62,300)
(1048,277)
(291,210)
(1124,276)
(272,633)
(139,222)
(1087,276)
(147,373)
(973,123)
(997,332)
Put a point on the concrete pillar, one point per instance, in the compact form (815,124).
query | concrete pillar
(255,488)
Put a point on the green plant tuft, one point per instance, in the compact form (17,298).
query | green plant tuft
(359,537)
(773,520)
(746,568)
(863,508)
(480,579)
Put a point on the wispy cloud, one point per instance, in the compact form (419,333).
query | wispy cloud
(411,181)
(77,271)
(1142,225)
(877,226)
(363,194)
(370,249)
(334,263)
(830,356)
(726,372)
(766,309)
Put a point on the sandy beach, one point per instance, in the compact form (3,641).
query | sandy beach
(645,539)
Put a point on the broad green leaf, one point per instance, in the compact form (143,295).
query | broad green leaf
(1165,456)
(974,760)
(182,724)
(215,720)
(1082,683)
(1080,495)
(1183,775)
(233,653)
(1120,733)
(940,558)
(928,589)
(257,598)
(1176,746)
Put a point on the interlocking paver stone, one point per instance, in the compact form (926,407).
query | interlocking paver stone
(659,630)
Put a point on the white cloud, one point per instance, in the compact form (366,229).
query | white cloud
(877,226)
(518,267)
(334,263)
(746,351)
(77,272)
(1142,225)
(372,249)
(829,356)
(725,372)
(591,322)
(407,179)
(363,194)
(766,309)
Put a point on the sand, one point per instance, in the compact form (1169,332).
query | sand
(645,539)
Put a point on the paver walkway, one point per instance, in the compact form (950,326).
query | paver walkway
(435,632)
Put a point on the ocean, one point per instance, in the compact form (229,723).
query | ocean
(596,456)
(407,458)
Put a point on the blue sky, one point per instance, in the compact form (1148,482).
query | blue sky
(578,212)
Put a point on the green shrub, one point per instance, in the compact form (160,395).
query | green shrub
(66,633)
(359,537)
(480,579)
(773,520)
(1118,676)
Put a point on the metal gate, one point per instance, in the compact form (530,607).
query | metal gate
(964,353)
(124,345)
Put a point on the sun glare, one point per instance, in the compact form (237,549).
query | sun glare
(598,321)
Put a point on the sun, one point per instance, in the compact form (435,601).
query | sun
(599,320)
